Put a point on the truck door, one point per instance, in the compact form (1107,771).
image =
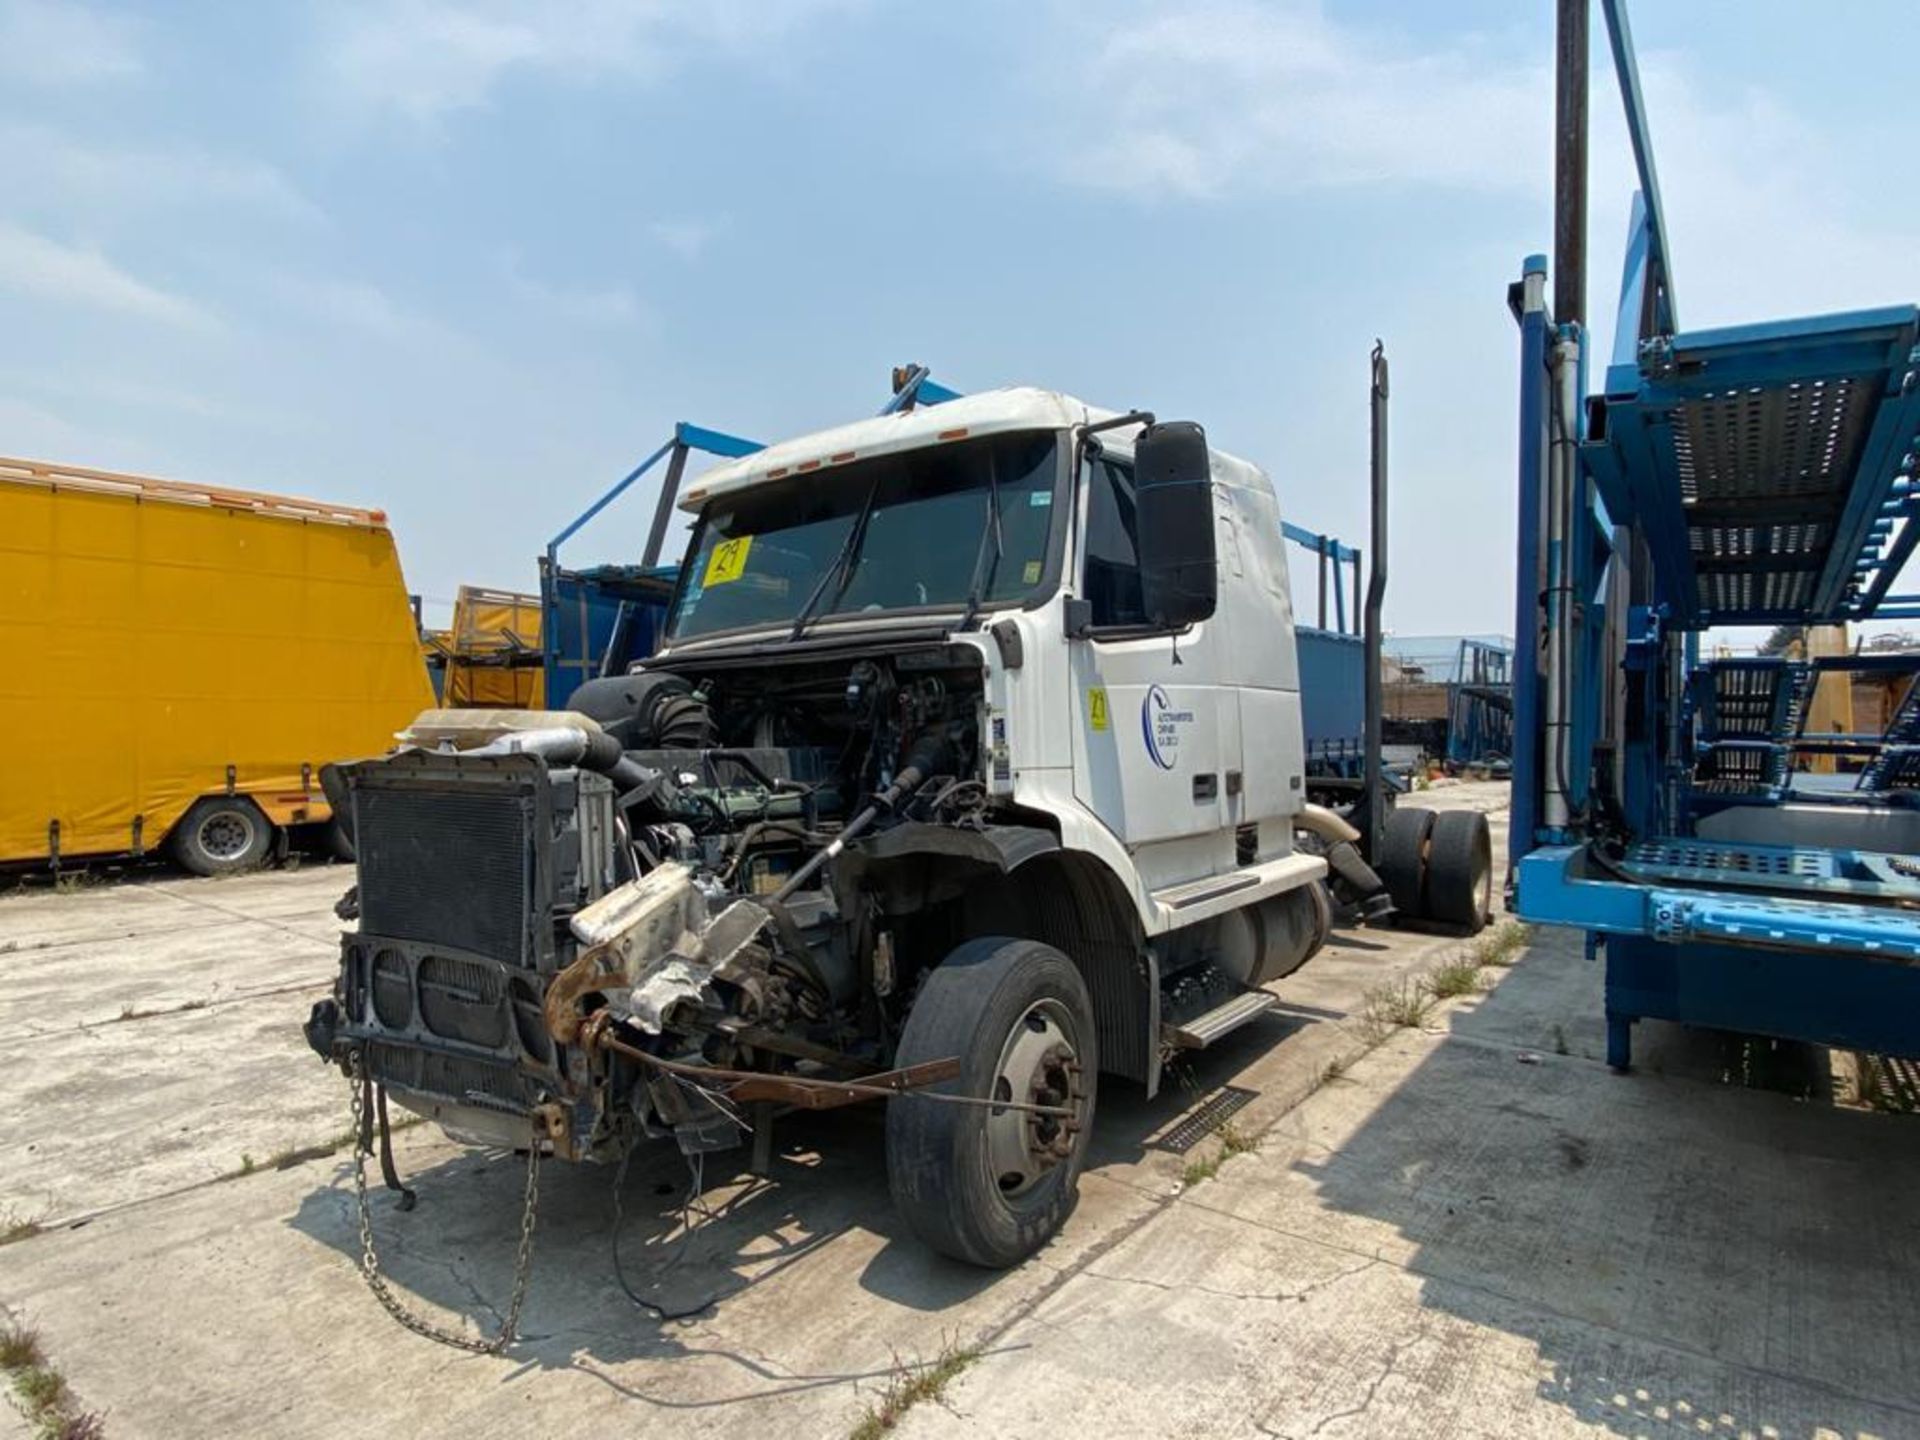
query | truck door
(1154,737)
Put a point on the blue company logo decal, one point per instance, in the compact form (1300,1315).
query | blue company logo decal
(1162,726)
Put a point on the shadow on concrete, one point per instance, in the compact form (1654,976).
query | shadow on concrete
(684,1254)
(1686,1255)
(452,1257)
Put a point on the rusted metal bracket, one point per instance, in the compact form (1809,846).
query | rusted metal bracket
(812,1094)
(807,1092)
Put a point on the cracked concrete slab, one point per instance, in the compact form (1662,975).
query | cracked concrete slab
(1463,1235)
(1475,1230)
(817,1294)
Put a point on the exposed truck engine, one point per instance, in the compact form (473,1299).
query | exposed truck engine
(970,770)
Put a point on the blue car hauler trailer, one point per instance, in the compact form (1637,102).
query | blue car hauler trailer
(1763,475)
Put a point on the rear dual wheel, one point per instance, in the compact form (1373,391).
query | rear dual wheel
(986,1185)
(1438,865)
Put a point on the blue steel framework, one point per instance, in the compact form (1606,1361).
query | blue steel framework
(1480,703)
(1744,476)
(1332,659)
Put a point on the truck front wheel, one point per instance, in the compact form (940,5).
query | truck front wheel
(221,835)
(986,1185)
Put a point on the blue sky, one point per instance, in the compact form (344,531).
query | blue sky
(468,261)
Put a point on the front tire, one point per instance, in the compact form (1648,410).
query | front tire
(988,1186)
(221,835)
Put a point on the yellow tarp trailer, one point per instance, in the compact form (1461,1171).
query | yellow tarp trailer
(491,658)
(175,649)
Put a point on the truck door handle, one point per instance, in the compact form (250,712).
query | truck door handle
(1206,787)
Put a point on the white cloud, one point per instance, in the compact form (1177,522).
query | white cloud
(357,305)
(1769,213)
(33,265)
(45,164)
(53,43)
(1212,95)
(686,238)
(424,59)
(35,432)
(608,307)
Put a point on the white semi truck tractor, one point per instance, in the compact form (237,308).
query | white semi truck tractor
(969,772)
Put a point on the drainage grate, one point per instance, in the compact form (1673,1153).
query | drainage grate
(1205,1118)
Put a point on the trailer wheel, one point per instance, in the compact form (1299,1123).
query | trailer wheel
(1460,870)
(982,1185)
(221,835)
(1402,861)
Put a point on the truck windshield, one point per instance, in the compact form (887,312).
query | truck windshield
(891,533)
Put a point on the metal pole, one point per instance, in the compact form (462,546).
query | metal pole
(663,509)
(1570,164)
(1530,581)
(1562,471)
(1357,607)
(1374,790)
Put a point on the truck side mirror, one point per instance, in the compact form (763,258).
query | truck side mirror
(1173,495)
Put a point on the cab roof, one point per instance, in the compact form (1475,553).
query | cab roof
(991,412)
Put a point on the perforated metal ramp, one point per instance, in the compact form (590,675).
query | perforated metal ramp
(1772,465)
(1778,869)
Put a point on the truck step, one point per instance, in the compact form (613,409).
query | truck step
(1203,1029)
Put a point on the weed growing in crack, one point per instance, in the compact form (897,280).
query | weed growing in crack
(45,1397)
(910,1385)
(1401,1004)
(1502,944)
(1454,978)
(1233,1141)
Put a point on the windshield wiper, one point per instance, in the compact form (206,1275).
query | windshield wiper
(982,583)
(843,561)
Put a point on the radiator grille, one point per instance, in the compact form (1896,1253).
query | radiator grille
(457,1078)
(446,866)
(392,989)
(460,1000)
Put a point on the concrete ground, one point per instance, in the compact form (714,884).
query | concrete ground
(1469,1229)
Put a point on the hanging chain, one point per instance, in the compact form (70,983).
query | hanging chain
(370,1260)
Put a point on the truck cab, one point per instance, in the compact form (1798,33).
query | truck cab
(968,770)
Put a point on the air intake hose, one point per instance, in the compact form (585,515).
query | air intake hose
(591,749)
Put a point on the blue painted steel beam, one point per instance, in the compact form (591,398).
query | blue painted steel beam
(714,442)
(1319,544)
(619,488)
(1661,315)
(693,437)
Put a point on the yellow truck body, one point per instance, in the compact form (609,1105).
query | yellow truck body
(491,658)
(167,641)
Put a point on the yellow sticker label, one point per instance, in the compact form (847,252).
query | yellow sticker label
(1031,575)
(728,562)
(1097,706)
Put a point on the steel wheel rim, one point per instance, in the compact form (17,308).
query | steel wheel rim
(225,835)
(1039,1065)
